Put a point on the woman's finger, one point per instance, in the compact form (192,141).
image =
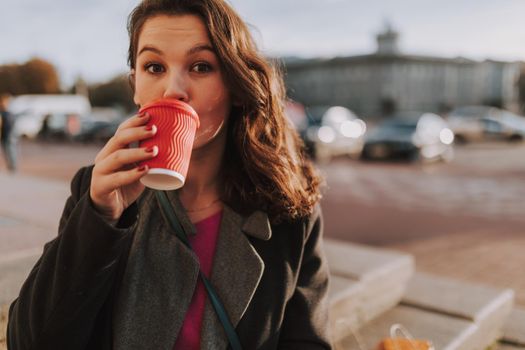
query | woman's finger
(124,137)
(135,120)
(108,183)
(125,158)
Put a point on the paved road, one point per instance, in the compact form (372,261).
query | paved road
(415,189)
(483,188)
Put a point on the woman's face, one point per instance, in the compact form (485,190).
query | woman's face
(175,59)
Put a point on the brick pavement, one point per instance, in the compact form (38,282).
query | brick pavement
(412,188)
(478,256)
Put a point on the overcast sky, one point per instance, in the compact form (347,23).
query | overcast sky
(88,37)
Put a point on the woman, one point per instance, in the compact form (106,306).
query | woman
(117,277)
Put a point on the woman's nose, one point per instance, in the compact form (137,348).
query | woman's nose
(177,89)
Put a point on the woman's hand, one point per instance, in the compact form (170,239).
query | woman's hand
(115,182)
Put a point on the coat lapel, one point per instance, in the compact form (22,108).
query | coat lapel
(157,288)
(237,270)
(162,273)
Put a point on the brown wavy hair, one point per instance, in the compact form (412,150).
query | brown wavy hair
(265,165)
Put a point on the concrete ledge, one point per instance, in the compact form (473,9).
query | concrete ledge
(361,262)
(365,282)
(514,329)
(487,308)
(344,302)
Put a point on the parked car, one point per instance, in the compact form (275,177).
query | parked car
(412,136)
(314,116)
(100,125)
(336,132)
(477,123)
(94,130)
(507,126)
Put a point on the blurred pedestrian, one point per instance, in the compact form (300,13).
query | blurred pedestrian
(251,272)
(45,132)
(7,135)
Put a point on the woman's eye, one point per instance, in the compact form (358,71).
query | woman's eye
(154,68)
(201,67)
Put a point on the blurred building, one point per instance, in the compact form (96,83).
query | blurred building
(376,83)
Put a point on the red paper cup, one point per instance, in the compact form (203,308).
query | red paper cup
(176,124)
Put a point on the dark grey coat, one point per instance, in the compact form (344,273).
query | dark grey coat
(272,280)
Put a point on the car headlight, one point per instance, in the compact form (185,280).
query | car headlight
(326,134)
(446,136)
(352,129)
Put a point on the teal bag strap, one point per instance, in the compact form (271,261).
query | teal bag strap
(214,298)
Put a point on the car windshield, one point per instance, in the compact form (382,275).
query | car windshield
(470,111)
(398,126)
(315,114)
(512,120)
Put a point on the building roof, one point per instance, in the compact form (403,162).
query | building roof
(297,63)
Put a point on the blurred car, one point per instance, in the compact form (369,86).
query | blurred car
(507,126)
(336,132)
(314,116)
(412,136)
(94,130)
(100,125)
(469,123)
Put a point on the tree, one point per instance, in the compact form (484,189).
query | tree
(40,77)
(36,76)
(116,92)
(9,82)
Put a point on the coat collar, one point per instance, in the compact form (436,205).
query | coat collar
(257,224)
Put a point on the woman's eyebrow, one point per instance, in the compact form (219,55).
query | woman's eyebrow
(151,49)
(192,51)
(199,48)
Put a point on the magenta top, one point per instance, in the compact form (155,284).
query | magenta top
(204,244)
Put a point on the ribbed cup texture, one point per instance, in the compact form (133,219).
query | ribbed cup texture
(175,134)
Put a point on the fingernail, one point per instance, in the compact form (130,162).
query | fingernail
(151,128)
(142,168)
(152,149)
(142,115)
